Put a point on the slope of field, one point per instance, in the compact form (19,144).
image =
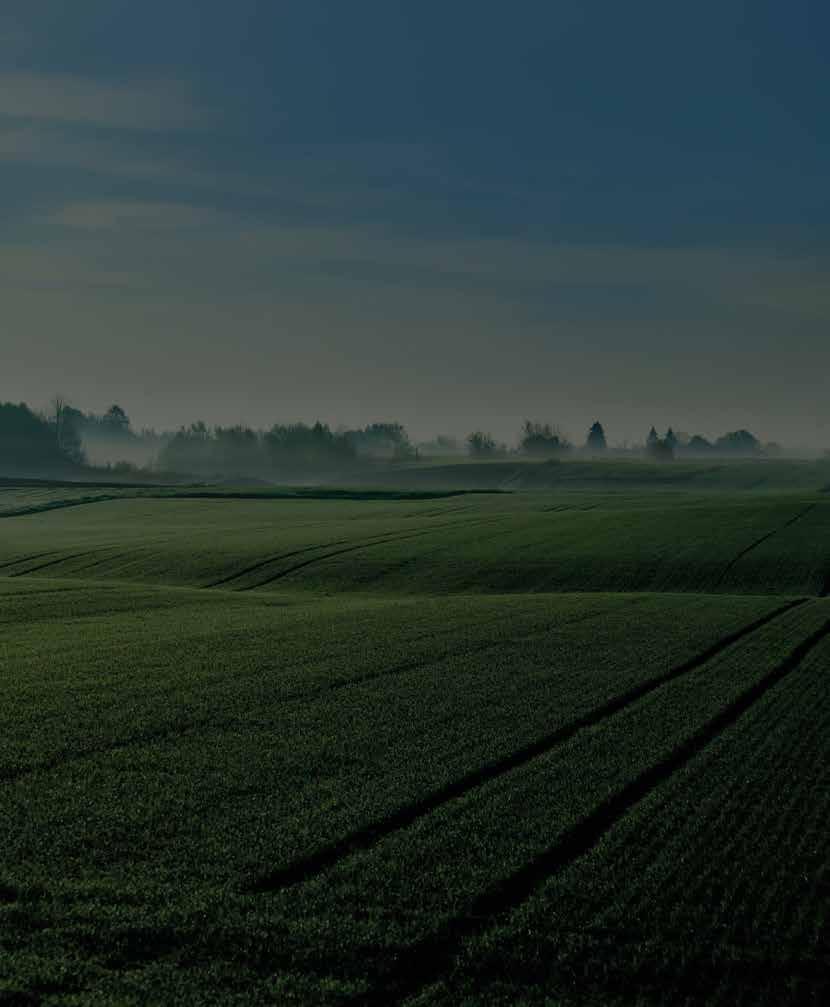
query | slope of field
(16,500)
(765,543)
(610,474)
(361,748)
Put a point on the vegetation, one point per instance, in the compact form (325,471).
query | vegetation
(284,449)
(542,439)
(380,542)
(29,441)
(331,746)
(596,443)
(68,441)
(482,445)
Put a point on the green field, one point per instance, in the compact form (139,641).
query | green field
(562,745)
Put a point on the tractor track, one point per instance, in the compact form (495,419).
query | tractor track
(54,562)
(760,541)
(386,539)
(427,961)
(361,839)
(26,559)
(267,562)
(59,505)
(371,540)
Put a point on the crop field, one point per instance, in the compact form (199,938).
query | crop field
(565,745)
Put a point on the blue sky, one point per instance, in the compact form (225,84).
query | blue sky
(455,214)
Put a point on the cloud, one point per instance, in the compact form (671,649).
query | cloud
(162,168)
(67,98)
(111,216)
(126,297)
(188,249)
(13,38)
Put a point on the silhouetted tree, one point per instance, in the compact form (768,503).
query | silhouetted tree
(381,440)
(671,440)
(67,431)
(298,445)
(698,445)
(738,442)
(596,443)
(238,450)
(542,439)
(652,438)
(190,449)
(660,450)
(116,421)
(481,445)
(30,442)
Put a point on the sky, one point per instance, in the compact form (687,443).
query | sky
(455,214)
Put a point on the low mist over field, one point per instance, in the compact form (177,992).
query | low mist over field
(446,215)
(65,442)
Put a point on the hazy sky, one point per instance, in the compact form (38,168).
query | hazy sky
(454,213)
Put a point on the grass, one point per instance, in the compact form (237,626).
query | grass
(539,747)
(531,542)
(614,474)
(745,917)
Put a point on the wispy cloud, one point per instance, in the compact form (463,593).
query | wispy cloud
(134,105)
(115,216)
(195,249)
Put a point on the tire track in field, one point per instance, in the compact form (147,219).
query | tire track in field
(567,508)
(61,505)
(26,559)
(431,958)
(385,539)
(467,651)
(360,543)
(135,554)
(9,775)
(272,559)
(361,839)
(118,555)
(760,541)
(734,818)
(54,562)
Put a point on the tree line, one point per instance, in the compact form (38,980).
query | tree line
(536,439)
(63,437)
(293,447)
(544,440)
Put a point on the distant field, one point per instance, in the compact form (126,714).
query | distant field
(561,746)
(524,542)
(612,474)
